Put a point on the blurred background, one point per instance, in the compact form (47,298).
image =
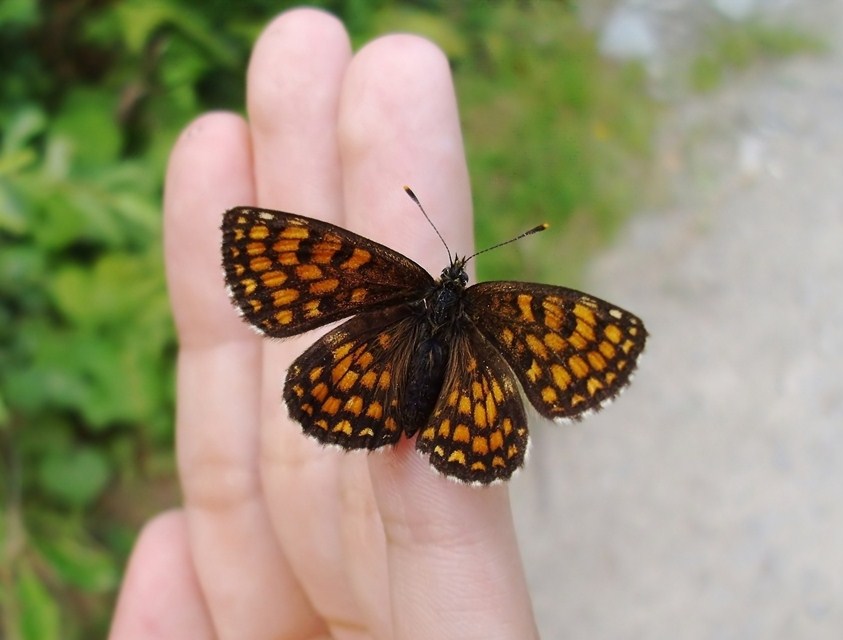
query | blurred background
(631,126)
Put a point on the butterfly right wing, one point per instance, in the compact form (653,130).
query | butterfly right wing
(289,273)
(344,389)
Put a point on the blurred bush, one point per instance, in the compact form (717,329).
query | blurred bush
(92,96)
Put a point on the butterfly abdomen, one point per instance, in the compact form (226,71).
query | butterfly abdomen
(425,375)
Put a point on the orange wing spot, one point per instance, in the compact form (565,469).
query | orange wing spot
(478,466)
(354,405)
(331,405)
(621,365)
(536,346)
(610,378)
(239,235)
(461,434)
(315,374)
(472,364)
(249,286)
(584,313)
(607,349)
(322,287)
(613,333)
(283,297)
(453,397)
(561,377)
(496,440)
(368,380)
(491,409)
(476,390)
(358,258)
(322,424)
(311,309)
(320,392)
(457,456)
(260,263)
(534,372)
(633,331)
(497,392)
(359,295)
(445,428)
(342,351)
(596,360)
(480,445)
(577,399)
(308,272)
(555,342)
(273,278)
(390,424)
(512,451)
(242,220)
(255,248)
(428,434)
(497,461)
(626,347)
(365,360)
(366,431)
(341,368)
(385,379)
(298,390)
(577,341)
(286,246)
(480,415)
(384,340)
(549,395)
(344,426)
(258,232)
(256,305)
(347,381)
(578,366)
(593,386)
(524,304)
(439,451)
(323,252)
(297,232)
(507,426)
(288,259)
(374,410)
(586,330)
(239,270)
(552,316)
(284,317)
(507,336)
(307,408)
(465,405)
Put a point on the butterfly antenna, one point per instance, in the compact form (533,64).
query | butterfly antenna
(530,232)
(418,204)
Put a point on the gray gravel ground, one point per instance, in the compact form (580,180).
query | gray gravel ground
(707,502)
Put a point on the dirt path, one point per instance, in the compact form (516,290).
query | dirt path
(707,502)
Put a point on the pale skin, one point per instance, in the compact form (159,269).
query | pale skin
(279,537)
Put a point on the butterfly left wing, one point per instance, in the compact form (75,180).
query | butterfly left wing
(572,352)
(289,273)
(478,430)
(344,389)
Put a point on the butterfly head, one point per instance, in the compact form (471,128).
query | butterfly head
(455,273)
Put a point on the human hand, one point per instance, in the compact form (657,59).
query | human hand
(279,537)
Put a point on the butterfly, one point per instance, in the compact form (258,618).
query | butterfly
(422,356)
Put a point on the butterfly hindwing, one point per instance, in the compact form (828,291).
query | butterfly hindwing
(478,430)
(572,352)
(289,273)
(345,388)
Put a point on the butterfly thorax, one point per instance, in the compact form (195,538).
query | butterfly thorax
(442,311)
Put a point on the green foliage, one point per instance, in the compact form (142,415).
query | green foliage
(92,95)
(733,47)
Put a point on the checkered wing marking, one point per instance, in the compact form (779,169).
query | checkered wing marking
(572,352)
(289,273)
(343,389)
(478,430)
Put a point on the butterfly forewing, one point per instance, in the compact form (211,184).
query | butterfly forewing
(478,430)
(289,273)
(571,352)
(345,388)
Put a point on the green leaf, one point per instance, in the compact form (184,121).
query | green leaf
(39,612)
(79,561)
(18,12)
(87,122)
(75,477)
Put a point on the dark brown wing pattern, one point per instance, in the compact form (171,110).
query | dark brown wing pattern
(289,273)
(571,351)
(346,387)
(478,430)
